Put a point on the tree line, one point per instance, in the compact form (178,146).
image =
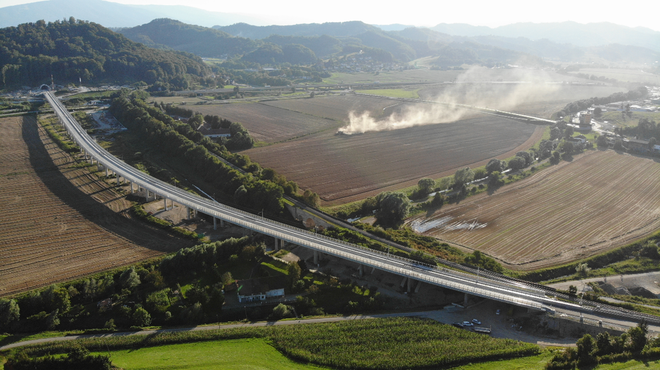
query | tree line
(255,188)
(240,138)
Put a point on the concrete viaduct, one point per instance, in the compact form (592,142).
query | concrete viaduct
(412,272)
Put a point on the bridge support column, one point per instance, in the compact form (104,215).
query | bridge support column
(373,269)
(146,196)
(277,242)
(191,213)
(215,223)
(419,283)
(465,300)
(361,270)
(316,257)
(282,243)
(132,191)
(410,285)
(403,282)
(165,203)
(222,223)
(107,172)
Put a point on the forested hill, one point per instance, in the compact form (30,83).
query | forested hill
(198,40)
(72,50)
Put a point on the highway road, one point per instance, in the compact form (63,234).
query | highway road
(482,286)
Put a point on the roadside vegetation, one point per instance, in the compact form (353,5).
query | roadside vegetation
(188,287)
(606,348)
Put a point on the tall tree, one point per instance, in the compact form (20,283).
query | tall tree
(393,208)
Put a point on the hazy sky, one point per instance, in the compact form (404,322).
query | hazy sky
(492,13)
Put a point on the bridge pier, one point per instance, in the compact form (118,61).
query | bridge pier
(373,269)
(403,282)
(132,191)
(277,242)
(106,172)
(191,213)
(215,223)
(419,283)
(316,257)
(410,285)
(361,270)
(465,300)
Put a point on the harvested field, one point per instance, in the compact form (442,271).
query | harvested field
(336,107)
(268,123)
(342,168)
(599,201)
(60,222)
(537,99)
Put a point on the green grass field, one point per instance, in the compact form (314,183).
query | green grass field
(393,93)
(241,354)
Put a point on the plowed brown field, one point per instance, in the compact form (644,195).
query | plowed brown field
(344,168)
(59,222)
(600,201)
(267,123)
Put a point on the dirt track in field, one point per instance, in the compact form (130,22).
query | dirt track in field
(600,201)
(60,222)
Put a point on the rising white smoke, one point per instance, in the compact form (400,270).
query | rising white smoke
(467,89)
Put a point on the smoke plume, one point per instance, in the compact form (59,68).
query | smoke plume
(478,87)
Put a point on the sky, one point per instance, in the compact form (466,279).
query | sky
(491,13)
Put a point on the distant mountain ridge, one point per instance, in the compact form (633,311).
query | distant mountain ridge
(585,35)
(111,14)
(448,43)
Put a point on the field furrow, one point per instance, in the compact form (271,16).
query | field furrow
(58,222)
(599,201)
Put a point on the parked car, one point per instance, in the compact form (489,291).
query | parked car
(467,323)
(458,324)
(476,321)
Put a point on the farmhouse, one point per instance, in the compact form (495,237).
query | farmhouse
(206,130)
(636,145)
(259,289)
(578,141)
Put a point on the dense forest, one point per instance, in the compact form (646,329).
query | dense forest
(74,50)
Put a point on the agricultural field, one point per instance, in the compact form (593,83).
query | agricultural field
(541,98)
(616,119)
(268,123)
(403,343)
(335,107)
(623,75)
(597,202)
(344,168)
(59,222)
